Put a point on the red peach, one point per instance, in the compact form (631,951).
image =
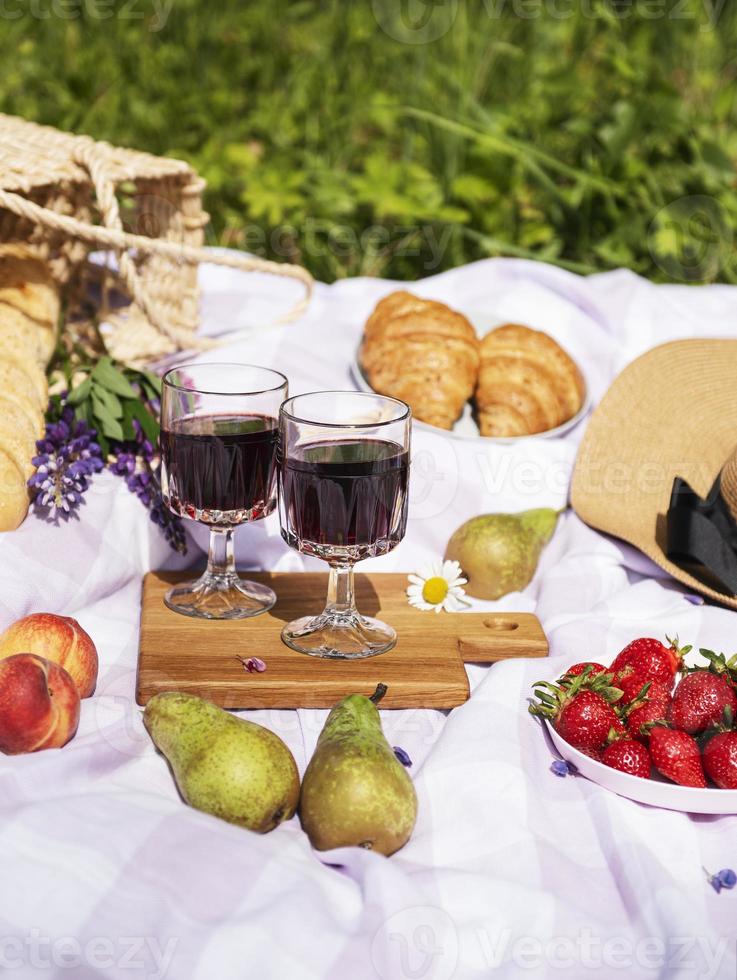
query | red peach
(57,638)
(39,704)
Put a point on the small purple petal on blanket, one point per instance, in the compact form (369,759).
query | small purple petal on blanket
(402,756)
(726,878)
(695,600)
(559,767)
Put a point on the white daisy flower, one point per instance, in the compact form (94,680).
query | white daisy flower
(438,585)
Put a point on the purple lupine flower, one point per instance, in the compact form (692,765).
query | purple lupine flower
(136,461)
(171,526)
(123,464)
(142,478)
(68,456)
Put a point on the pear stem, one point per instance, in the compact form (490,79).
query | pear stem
(379,693)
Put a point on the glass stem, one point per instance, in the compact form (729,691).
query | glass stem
(221,559)
(341,601)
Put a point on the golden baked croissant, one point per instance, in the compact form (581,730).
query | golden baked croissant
(423,353)
(29,310)
(527,383)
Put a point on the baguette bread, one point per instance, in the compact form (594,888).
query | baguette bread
(29,298)
(29,312)
(13,494)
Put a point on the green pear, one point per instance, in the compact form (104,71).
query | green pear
(355,792)
(223,765)
(499,552)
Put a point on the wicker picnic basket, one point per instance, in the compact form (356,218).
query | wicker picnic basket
(67,196)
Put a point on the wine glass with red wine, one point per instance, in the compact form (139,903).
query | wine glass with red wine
(343,476)
(219,431)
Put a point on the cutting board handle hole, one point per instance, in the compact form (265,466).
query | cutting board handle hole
(501,624)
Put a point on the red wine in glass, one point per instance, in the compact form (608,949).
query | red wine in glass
(219,435)
(220,469)
(343,481)
(345,494)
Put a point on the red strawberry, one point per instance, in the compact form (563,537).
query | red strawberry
(627,755)
(718,664)
(644,715)
(720,759)
(650,705)
(632,684)
(700,700)
(676,755)
(577,669)
(651,660)
(580,710)
(586,720)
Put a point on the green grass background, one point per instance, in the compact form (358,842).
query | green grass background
(346,136)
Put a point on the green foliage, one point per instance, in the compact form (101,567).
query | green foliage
(592,134)
(110,398)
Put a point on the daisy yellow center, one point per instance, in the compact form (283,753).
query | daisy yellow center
(435,590)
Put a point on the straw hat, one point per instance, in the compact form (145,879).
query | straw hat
(672,413)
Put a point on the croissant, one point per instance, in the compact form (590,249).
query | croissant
(29,310)
(423,353)
(527,383)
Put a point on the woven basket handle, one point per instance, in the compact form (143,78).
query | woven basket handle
(111,236)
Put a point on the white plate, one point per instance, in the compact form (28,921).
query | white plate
(657,791)
(654,792)
(465,427)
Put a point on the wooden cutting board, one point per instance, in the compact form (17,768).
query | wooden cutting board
(424,670)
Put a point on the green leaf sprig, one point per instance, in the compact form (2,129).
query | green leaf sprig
(111,397)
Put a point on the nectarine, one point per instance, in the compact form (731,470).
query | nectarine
(57,638)
(39,704)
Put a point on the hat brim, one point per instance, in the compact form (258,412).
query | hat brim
(672,412)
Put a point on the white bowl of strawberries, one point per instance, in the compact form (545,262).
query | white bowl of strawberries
(649,727)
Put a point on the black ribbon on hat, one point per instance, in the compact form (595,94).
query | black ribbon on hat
(703,532)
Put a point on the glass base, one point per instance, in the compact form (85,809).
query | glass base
(339,637)
(220,597)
